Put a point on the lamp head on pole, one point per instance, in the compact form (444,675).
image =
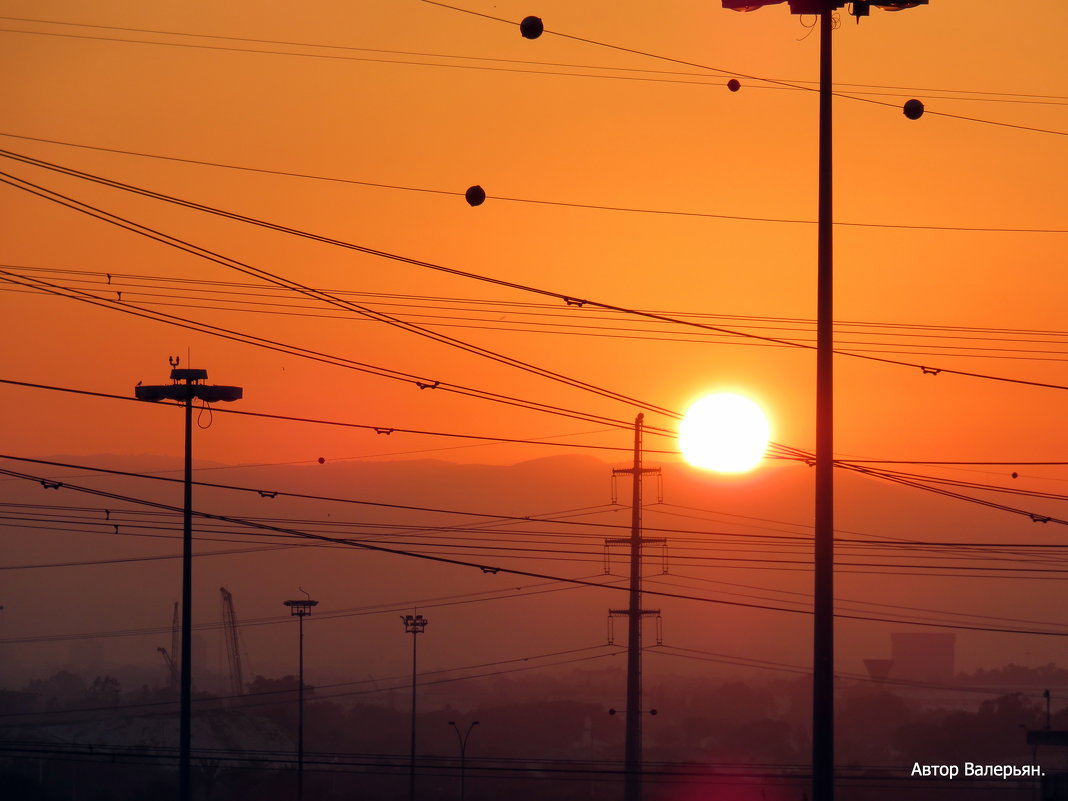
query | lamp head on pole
(190,389)
(414,624)
(860,8)
(302,607)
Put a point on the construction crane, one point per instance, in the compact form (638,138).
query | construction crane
(176,623)
(171,666)
(170,658)
(233,653)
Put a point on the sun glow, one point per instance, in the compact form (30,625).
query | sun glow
(724,432)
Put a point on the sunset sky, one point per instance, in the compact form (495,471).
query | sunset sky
(365,122)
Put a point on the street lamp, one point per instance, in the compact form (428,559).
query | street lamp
(823,600)
(186,392)
(300,609)
(414,625)
(463,750)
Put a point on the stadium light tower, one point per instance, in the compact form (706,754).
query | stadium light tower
(414,625)
(186,387)
(823,609)
(300,609)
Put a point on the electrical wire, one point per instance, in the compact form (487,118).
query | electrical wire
(326,298)
(535,201)
(727,72)
(554,326)
(912,480)
(493,569)
(317,356)
(569,300)
(596,528)
(1059,99)
(378,429)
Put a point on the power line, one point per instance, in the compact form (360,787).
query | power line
(807,597)
(555,327)
(318,356)
(569,300)
(325,297)
(247,289)
(378,429)
(535,201)
(350,48)
(272,493)
(906,479)
(101,519)
(726,72)
(301,288)
(298,287)
(136,282)
(947,337)
(748,557)
(493,569)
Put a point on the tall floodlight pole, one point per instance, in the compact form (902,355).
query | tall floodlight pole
(414,625)
(462,740)
(823,591)
(186,392)
(300,609)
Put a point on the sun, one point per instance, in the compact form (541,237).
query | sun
(724,432)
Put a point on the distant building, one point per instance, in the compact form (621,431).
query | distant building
(923,656)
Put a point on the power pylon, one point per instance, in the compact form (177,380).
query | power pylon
(632,756)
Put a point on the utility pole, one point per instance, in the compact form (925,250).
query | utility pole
(414,625)
(300,609)
(192,388)
(823,556)
(632,753)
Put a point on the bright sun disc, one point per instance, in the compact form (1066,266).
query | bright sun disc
(726,433)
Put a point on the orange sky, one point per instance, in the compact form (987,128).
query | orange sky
(601,141)
(611,142)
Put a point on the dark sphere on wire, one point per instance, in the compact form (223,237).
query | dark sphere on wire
(531,27)
(475,195)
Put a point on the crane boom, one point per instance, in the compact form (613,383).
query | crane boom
(171,666)
(176,642)
(233,652)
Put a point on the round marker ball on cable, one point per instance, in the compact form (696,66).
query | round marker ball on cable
(531,27)
(322,460)
(913,109)
(734,84)
(475,195)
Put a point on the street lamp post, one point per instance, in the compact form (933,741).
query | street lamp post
(300,609)
(186,392)
(414,625)
(823,600)
(462,740)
